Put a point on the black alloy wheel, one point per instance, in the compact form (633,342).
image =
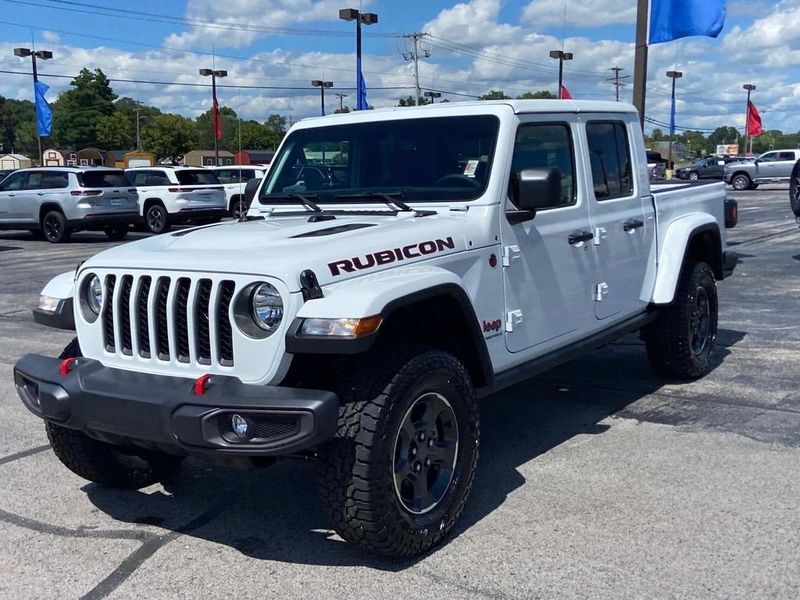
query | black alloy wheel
(425,453)
(54,227)
(700,321)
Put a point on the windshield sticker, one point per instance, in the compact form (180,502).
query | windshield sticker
(384,257)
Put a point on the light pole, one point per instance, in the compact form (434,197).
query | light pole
(215,119)
(34,54)
(433,96)
(672,75)
(750,88)
(322,85)
(560,56)
(351,14)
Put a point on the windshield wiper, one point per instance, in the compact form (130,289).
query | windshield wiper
(393,200)
(303,198)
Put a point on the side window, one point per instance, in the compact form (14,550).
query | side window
(609,151)
(787,156)
(47,180)
(226,176)
(768,157)
(546,145)
(138,178)
(14,182)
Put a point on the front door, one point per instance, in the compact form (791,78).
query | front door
(13,197)
(622,217)
(547,274)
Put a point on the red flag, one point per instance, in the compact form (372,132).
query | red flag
(565,95)
(217,121)
(753,126)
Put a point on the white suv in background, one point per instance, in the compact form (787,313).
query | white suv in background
(234,178)
(169,195)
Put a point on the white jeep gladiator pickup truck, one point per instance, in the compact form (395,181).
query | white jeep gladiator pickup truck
(394,266)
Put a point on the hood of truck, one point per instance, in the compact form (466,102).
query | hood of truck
(282,247)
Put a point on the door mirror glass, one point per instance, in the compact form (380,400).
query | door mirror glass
(250,190)
(537,188)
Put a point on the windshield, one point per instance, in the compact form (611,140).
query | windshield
(433,159)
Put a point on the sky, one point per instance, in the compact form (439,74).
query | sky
(272,49)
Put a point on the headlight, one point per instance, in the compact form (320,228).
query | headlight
(258,310)
(267,307)
(93,293)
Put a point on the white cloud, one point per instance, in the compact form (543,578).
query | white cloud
(51,37)
(472,22)
(580,14)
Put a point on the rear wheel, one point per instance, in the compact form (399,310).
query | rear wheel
(116,232)
(680,343)
(155,219)
(794,189)
(741,181)
(397,476)
(55,228)
(104,463)
(237,209)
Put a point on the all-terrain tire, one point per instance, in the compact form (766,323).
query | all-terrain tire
(104,463)
(681,341)
(794,189)
(357,471)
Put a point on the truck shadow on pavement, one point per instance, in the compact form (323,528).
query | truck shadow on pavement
(276,514)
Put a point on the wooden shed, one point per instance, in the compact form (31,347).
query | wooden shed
(14,161)
(206,158)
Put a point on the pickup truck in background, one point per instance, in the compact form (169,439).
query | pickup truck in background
(774,166)
(439,254)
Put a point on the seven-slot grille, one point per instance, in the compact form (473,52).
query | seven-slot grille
(173,318)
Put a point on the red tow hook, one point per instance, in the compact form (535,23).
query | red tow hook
(66,366)
(201,384)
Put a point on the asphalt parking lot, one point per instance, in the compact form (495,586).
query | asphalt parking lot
(595,480)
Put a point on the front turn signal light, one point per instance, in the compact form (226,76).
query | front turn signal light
(341,328)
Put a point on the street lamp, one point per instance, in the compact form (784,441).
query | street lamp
(322,85)
(560,56)
(215,109)
(672,75)
(750,88)
(351,14)
(433,96)
(34,54)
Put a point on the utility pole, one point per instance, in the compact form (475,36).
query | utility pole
(616,80)
(341,98)
(750,88)
(640,59)
(414,55)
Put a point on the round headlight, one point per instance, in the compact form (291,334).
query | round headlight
(266,307)
(93,291)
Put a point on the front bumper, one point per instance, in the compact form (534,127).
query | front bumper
(165,413)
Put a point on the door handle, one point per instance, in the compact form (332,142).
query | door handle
(579,237)
(632,224)
(40,193)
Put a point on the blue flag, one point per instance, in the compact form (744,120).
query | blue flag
(674,19)
(44,114)
(672,117)
(362,93)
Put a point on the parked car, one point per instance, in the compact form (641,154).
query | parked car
(771,167)
(58,201)
(170,195)
(706,168)
(656,165)
(234,179)
(356,323)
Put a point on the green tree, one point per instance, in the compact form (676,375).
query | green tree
(540,95)
(169,136)
(14,136)
(78,110)
(276,129)
(410,101)
(116,131)
(254,136)
(205,130)
(495,95)
(723,135)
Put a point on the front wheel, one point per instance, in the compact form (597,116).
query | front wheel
(397,476)
(741,182)
(681,341)
(693,176)
(106,464)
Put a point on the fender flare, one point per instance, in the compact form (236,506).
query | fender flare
(673,251)
(383,294)
(62,289)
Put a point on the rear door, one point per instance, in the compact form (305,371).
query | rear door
(547,278)
(44,187)
(622,217)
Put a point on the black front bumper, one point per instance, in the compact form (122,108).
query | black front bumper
(156,411)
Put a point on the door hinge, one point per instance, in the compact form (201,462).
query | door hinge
(600,291)
(599,234)
(510,254)
(513,318)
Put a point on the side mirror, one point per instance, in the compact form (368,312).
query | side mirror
(250,190)
(534,189)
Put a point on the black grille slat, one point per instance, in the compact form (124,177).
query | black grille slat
(181,316)
(143,325)
(224,332)
(109,339)
(162,333)
(203,334)
(124,314)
